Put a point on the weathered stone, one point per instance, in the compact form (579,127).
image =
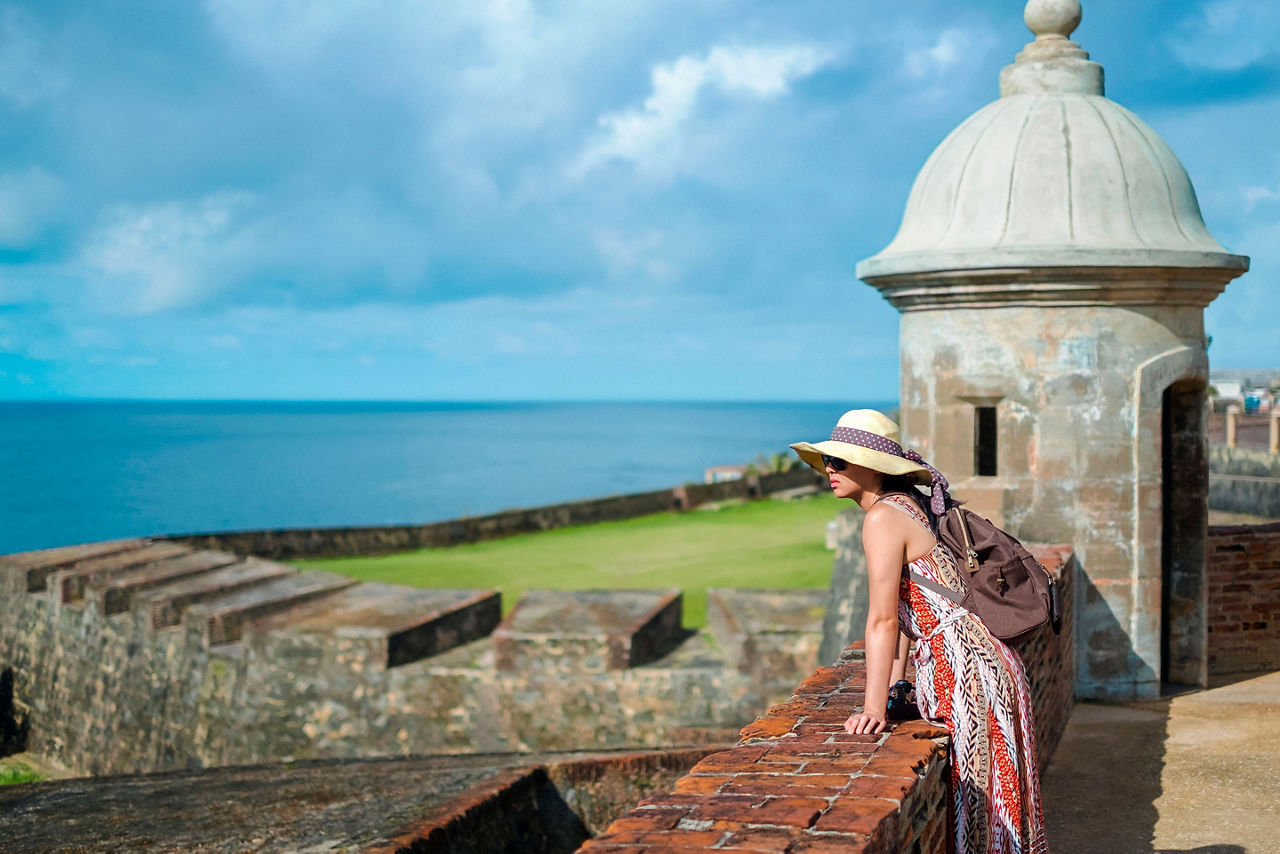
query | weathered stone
(846,616)
(767,631)
(223,617)
(69,584)
(588,630)
(166,605)
(401,625)
(115,595)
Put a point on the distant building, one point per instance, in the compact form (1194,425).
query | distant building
(720,474)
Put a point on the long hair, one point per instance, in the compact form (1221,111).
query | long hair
(907,485)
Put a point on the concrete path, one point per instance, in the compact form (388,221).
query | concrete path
(1199,772)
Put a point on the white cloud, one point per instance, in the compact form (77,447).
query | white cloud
(28,203)
(1256,195)
(955,46)
(1227,35)
(645,253)
(26,75)
(650,136)
(148,258)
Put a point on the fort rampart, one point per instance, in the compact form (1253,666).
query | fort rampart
(133,656)
(1244,480)
(293,543)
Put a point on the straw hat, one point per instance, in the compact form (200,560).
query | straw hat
(866,438)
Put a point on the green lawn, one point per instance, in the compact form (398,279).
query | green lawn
(758,544)
(13,772)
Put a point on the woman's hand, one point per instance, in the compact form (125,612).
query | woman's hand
(864,723)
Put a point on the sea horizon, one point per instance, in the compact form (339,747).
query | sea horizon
(86,469)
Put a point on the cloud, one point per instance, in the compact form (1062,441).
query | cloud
(28,203)
(26,74)
(954,45)
(143,259)
(1228,35)
(650,136)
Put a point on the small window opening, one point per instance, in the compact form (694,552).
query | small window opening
(984,441)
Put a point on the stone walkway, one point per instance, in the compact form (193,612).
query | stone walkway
(1192,773)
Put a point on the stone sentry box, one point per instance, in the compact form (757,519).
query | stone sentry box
(1052,270)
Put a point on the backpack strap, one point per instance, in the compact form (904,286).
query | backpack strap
(944,592)
(904,503)
(899,501)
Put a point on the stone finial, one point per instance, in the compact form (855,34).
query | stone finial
(1053,18)
(1052,63)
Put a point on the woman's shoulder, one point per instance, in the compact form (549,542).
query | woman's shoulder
(886,517)
(900,504)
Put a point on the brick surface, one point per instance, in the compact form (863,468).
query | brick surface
(802,785)
(702,784)
(1243,598)
(768,727)
(858,815)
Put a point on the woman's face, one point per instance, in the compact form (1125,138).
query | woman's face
(853,481)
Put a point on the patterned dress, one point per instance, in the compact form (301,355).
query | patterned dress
(975,686)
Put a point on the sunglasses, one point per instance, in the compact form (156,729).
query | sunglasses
(835,463)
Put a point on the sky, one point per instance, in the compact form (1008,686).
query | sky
(573,199)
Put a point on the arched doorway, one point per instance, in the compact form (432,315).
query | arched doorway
(1184,454)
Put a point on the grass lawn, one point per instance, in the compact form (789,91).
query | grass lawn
(13,772)
(758,544)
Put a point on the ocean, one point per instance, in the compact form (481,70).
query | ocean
(75,472)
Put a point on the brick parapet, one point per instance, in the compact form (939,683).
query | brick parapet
(1243,591)
(797,782)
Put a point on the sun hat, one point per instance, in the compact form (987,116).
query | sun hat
(867,438)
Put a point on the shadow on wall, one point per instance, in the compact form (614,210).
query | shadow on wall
(1106,661)
(13,732)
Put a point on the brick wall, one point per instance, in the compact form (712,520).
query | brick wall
(1050,659)
(798,783)
(1244,598)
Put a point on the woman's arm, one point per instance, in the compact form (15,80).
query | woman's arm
(900,660)
(884,541)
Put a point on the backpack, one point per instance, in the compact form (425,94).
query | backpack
(1009,590)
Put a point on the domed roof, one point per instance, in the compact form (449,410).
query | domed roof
(1052,174)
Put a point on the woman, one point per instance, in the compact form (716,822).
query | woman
(966,680)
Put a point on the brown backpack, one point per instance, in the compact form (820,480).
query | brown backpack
(1009,590)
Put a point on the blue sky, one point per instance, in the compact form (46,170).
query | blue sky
(500,199)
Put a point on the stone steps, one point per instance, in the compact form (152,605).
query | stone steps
(224,617)
(588,631)
(115,594)
(68,585)
(34,567)
(165,605)
(395,625)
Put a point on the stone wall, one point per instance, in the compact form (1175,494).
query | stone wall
(1244,598)
(797,782)
(294,543)
(1244,480)
(845,620)
(136,656)
(525,802)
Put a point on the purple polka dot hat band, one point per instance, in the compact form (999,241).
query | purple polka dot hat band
(876,442)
